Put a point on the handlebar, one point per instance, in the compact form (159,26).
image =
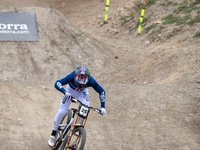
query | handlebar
(75,100)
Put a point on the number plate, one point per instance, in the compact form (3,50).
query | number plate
(83,111)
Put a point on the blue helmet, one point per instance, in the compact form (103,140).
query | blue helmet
(81,76)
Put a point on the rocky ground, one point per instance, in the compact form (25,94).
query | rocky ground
(151,80)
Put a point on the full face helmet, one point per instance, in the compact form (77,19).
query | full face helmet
(81,76)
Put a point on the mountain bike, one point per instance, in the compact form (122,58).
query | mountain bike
(72,135)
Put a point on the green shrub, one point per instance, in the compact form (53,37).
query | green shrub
(181,8)
(150,27)
(170,19)
(187,7)
(123,20)
(137,4)
(154,31)
(150,2)
(195,20)
(166,3)
(195,3)
(197,34)
(183,20)
(132,15)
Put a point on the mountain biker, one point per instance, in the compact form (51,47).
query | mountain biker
(77,86)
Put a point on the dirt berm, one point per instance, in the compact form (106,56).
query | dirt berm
(152,90)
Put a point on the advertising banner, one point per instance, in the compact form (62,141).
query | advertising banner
(18,27)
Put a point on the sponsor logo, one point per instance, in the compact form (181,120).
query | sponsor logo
(102,97)
(13,29)
(59,85)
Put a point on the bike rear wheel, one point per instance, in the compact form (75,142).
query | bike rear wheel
(59,134)
(77,141)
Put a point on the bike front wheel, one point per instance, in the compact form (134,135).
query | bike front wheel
(77,140)
(59,134)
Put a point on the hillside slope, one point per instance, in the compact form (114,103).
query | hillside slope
(60,45)
(151,80)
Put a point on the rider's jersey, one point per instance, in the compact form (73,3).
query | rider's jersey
(69,79)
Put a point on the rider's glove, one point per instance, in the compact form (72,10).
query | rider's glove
(74,100)
(68,95)
(103,111)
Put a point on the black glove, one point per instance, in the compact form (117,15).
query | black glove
(73,100)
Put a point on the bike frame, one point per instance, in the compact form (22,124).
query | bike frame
(73,122)
(74,125)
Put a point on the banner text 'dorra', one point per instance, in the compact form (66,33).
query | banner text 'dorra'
(18,27)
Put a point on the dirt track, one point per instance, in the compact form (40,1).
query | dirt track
(152,90)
